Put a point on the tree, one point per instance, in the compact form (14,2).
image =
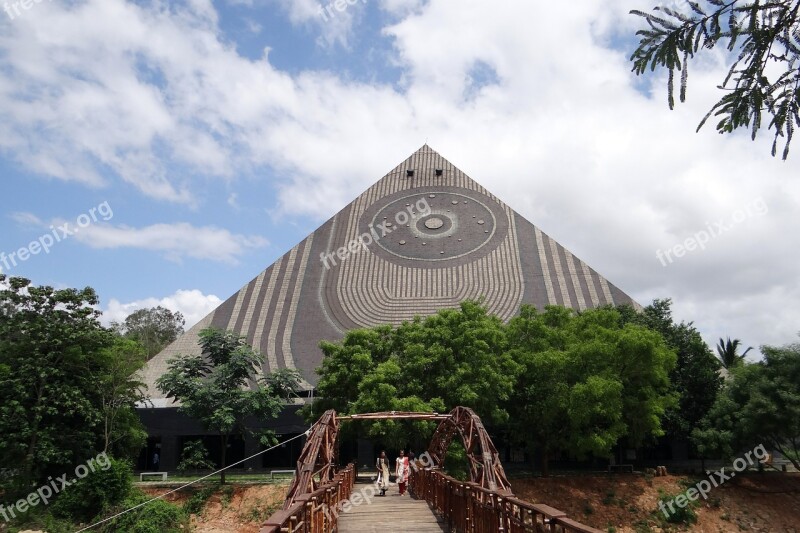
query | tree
(119,391)
(728,353)
(194,457)
(695,379)
(153,328)
(220,389)
(52,409)
(589,380)
(454,357)
(763,42)
(759,405)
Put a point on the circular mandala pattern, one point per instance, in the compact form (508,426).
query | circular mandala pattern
(423,226)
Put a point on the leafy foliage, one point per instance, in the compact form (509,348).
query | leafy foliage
(219,388)
(96,493)
(685,515)
(196,503)
(695,379)
(155,517)
(763,39)
(153,328)
(589,379)
(456,463)
(759,405)
(119,391)
(729,353)
(455,357)
(60,383)
(194,457)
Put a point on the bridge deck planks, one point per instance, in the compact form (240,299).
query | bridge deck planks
(390,514)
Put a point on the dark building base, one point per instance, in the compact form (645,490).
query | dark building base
(169,430)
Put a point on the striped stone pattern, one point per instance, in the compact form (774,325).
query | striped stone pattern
(372,290)
(295,303)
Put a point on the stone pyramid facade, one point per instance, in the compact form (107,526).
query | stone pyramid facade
(424,237)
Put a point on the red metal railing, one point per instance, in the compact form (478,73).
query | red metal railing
(469,508)
(315,512)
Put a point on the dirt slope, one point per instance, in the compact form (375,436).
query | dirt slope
(629,503)
(244,510)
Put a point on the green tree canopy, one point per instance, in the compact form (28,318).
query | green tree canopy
(454,357)
(221,388)
(695,379)
(60,382)
(153,328)
(760,404)
(588,380)
(763,42)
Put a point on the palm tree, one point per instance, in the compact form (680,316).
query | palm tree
(727,352)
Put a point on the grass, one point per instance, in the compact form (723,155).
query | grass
(260,478)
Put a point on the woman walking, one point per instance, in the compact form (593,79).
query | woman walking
(382,466)
(401,471)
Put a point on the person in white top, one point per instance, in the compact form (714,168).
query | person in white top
(401,471)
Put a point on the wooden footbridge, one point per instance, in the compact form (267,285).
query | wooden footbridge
(325,499)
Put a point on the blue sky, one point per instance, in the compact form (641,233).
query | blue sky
(221,133)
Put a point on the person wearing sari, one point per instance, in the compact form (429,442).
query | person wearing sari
(382,466)
(401,471)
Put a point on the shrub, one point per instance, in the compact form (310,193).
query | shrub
(156,517)
(195,504)
(108,485)
(39,519)
(681,515)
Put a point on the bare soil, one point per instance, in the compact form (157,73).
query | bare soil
(244,511)
(628,503)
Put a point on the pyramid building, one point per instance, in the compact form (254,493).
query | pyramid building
(424,237)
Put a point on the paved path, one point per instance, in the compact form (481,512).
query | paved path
(390,514)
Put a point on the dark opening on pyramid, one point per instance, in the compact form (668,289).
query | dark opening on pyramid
(423,238)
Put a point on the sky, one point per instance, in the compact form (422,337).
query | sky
(172,150)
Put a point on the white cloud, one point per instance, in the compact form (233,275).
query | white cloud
(26,219)
(567,135)
(193,304)
(175,241)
